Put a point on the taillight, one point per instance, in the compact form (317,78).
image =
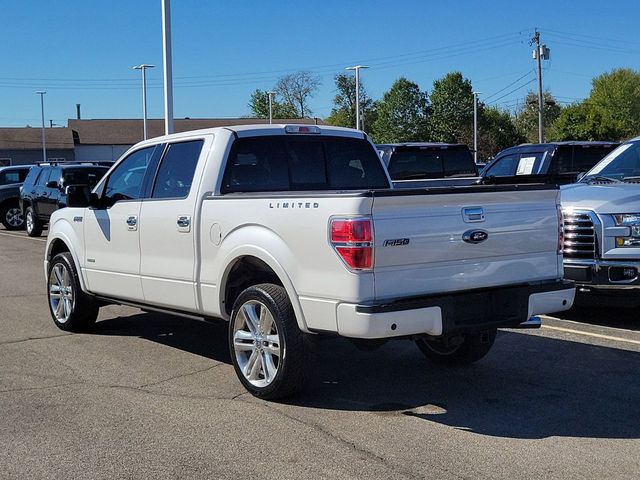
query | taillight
(560,230)
(352,239)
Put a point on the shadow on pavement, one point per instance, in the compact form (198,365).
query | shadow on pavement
(529,386)
(606,316)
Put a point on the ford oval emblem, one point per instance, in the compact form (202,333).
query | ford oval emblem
(475,236)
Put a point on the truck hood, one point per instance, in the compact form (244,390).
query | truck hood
(609,198)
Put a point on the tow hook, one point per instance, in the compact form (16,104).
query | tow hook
(533,322)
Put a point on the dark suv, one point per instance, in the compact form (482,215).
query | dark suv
(10,180)
(559,162)
(43,191)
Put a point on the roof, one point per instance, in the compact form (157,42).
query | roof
(129,131)
(30,138)
(422,144)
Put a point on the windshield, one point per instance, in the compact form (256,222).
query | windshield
(409,163)
(621,165)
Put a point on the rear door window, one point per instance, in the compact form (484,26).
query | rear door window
(176,171)
(584,158)
(409,163)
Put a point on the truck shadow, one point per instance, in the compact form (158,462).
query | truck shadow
(528,387)
(606,316)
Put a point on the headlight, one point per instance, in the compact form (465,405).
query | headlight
(631,220)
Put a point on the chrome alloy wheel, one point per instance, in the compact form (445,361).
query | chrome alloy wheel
(29,220)
(14,217)
(61,296)
(256,343)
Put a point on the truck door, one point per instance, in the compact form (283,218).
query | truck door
(168,226)
(112,234)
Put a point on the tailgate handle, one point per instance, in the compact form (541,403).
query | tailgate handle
(473,214)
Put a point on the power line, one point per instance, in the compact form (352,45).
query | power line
(512,91)
(510,85)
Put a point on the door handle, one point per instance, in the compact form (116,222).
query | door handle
(184,223)
(473,214)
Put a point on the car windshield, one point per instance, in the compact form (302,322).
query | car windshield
(621,165)
(413,163)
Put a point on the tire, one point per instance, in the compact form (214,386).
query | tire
(473,348)
(71,309)
(32,224)
(11,216)
(264,338)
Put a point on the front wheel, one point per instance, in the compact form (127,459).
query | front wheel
(34,226)
(470,349)
(71,308)
(267,347)
(11,217)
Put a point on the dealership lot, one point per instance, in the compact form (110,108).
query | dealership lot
(147,395)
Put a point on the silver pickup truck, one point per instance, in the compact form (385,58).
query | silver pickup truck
(602,225)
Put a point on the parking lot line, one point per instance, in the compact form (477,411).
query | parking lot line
(590,334)
(23,236)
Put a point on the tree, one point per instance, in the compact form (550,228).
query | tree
(259,105)
(451,111)
(527,115)
(343,113)
(296,89)
(402,114)
(496,132)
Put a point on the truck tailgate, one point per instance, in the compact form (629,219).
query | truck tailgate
(449,239)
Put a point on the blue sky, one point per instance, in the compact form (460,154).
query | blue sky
(82,51)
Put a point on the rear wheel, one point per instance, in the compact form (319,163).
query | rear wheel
(470,349)
(267,347)
(33,225)
(70,308)
(11,216)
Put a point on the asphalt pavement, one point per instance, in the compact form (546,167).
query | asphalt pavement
(152,396)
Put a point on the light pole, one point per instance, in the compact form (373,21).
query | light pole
(166,58)
(271,94)
(143,68)
(475,126)
(44,145)
(357,70)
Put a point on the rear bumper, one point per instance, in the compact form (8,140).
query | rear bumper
(455,313)
(604,275)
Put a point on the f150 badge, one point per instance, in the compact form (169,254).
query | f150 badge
(396,242)
(475,236)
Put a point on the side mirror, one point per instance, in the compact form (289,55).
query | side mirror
(51,184)
(94,201)
(77,196)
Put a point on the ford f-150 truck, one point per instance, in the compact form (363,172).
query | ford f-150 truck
(291,231)
(602,226)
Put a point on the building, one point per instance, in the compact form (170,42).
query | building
(102,139)
(20,146)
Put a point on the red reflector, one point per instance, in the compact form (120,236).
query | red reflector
(357,230)
(357,257)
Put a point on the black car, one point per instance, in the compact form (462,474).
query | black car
(559,162)
(43,191)
(10,180)
(419,164)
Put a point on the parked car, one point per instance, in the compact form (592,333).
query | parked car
(293,231)
(602,225)
(10,180)
(420,164)
(559,162)
(44,189)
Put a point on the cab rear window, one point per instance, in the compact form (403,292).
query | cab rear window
(285,163)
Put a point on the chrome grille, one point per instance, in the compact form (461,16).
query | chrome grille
(579,235)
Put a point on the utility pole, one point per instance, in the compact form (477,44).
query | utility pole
(475,126)
(44,145)
(541,52)
(168,75)
(143,68)
(357,70)
(271,94)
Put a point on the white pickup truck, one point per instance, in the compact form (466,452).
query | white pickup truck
(289,231)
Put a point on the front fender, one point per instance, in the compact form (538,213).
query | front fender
(62,229)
